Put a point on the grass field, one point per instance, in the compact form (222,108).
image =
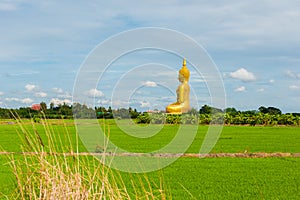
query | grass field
(194,178)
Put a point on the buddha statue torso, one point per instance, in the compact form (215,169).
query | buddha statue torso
(182,105)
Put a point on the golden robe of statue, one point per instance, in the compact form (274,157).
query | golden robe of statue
(183,93)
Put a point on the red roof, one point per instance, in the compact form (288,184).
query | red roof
(36,107)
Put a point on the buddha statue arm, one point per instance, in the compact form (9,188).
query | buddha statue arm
(180,94)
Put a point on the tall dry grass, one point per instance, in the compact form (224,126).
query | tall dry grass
(45,172)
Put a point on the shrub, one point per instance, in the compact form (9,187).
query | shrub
(36,119)
(143,119)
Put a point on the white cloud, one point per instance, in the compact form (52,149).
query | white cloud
(199,80)
(22,73)
(243,75)
(292,74)
(57,101)
(95,93)
(40,94)
(145,104)
(57,90)
(120,103)
(7,7)
(294,87)
(61,93)
(1,93)
(26,100)
(261,90)
(240,89)
(30,87)
(150,84)
(103,101)
(272,81)
(12,99)
(66,95)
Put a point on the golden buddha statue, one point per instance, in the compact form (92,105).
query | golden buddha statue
(183,93)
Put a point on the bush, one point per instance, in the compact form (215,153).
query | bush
(237,118)
(157,118)
(36,119)
(173,119)
(143,119)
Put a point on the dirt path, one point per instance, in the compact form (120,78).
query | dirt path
(169,155)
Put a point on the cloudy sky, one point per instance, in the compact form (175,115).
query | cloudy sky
(254,44)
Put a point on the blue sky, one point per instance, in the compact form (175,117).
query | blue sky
(255,45)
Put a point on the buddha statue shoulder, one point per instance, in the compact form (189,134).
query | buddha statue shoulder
(182,105)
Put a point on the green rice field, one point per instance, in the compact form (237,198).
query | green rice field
(187,177)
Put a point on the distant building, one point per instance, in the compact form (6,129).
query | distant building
(154,111)
(36,107)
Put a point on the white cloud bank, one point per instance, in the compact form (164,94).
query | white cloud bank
(292,74)
(150,84)
(6,6)
(261,90)
(271,81)
(294,87)
(30,87)
(57,101)
(94,93)
(240,89)
(40,94)
(144,104)
(243,75)
(25,100)
(12,99)
(57,90)
(66,95)
(104,102)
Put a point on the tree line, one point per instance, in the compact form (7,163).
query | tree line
(205,115)
(65,111)
(230,116)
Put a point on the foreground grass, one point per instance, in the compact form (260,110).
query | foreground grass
(219,178)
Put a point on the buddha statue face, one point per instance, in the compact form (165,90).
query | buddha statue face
(181,78)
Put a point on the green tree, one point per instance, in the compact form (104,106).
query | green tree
(43,106)
(51,105)
(231,110)
(269,110)
(274,111)
(205,109)
(263,109)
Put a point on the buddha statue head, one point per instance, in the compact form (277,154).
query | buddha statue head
(184,71)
